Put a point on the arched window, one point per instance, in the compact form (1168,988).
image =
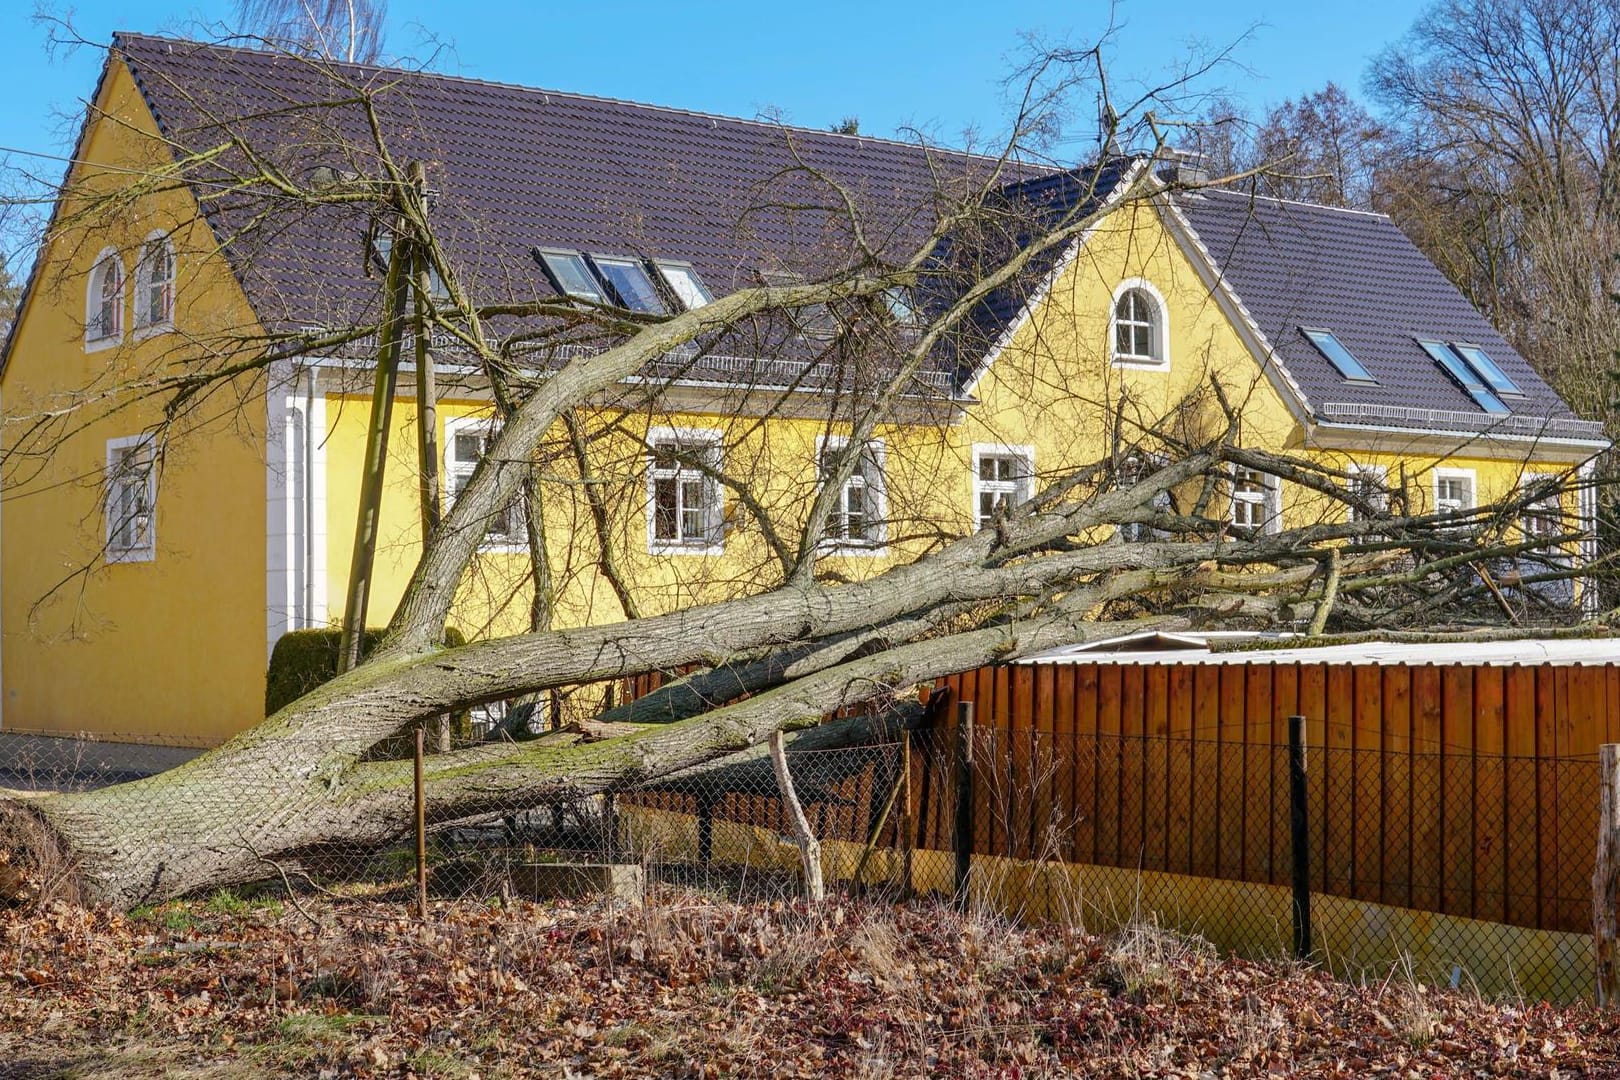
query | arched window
(1138,326)
(154,284)
(104,308)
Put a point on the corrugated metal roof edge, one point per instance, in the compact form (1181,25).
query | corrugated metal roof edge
(1558,652)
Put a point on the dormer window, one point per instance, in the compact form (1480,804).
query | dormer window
(154,285)
(632,287)
(104,307)
(684,283)
(1137,326)
(570,274)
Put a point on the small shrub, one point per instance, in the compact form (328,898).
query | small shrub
(304,660)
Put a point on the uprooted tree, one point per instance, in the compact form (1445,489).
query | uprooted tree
(876,289)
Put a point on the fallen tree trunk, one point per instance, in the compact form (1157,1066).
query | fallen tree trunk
(228,816)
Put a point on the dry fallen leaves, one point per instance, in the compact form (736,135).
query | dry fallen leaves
(688,986)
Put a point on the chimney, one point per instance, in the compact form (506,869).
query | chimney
(1183,168)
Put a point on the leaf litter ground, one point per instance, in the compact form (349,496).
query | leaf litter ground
(688,986)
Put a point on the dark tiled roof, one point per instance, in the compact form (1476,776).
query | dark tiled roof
(1297,265)
(515,168)
(1028,207)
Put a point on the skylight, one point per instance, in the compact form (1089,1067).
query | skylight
(1337,355)
(684,282)
(631,283)
(1465,376)
(570,274)
(900,305)
(1487,369)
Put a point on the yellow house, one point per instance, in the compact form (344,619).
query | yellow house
(147,568)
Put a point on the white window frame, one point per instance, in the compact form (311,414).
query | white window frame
(714,440)
(876,490)
(93,341)
(1380,478)
(1530,480)
(1020,489)
(1161,327)
(115,484)
(483,426)
(1443,474)
(694,294)
(1269,499)
(157,241)
(1132,470)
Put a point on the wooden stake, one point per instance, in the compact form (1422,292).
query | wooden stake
(809,846)
(1606,878)
(376,461)
(421,834)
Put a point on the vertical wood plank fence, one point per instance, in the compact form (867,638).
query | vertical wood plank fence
(1459,789)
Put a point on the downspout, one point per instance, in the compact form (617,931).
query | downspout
(308,508)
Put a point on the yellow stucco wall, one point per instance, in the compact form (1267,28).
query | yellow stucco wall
(172,648)
(1054,389)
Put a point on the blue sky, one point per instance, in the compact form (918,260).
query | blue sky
(891,62)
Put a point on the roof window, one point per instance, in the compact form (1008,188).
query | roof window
(1465,376)
(1340,357)
(630,283)
(570,274)
(1486,368)
(684,282)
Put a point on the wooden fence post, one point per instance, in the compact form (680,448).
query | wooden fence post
(1299,824)
(1606,877)
(964,800)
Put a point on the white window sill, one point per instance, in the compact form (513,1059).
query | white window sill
(144,332)
(99,344)
(503,547)
(1146,363)
(675,547)
(854,550)
(139,555)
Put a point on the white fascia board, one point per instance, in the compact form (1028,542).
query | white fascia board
(1049,282)
(1442,443)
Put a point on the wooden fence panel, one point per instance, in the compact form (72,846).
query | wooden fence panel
(1257,807)
(1367,762)
(1206,770)
(1468,790)
(1397,796)
(1156,768)
(1132,786)
(1490,823)
(1338,847)
(1230,779)
(1179,725)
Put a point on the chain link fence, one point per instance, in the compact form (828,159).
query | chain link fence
(1444,868)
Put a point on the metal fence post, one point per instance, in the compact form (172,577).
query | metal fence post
(1299,824)
(907,826)
(1606,877)
(964,800)
(421,832)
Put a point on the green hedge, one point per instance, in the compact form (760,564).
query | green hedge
(304,659)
